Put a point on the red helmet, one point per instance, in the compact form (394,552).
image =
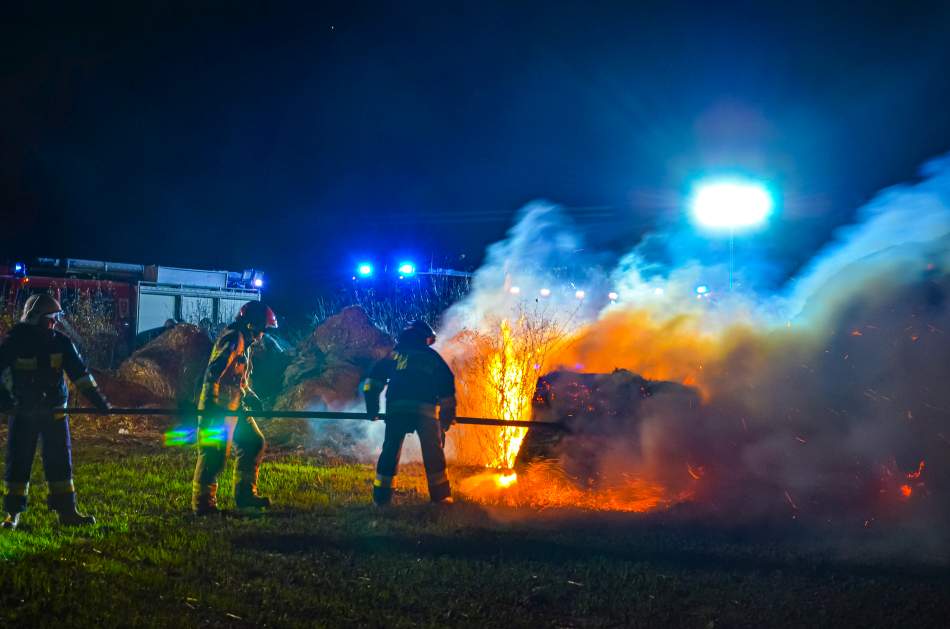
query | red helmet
(257,315)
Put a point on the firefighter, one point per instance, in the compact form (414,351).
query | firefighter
(38,356)
(226,388)
(420,398)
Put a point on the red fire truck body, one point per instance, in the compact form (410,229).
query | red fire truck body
(137,298)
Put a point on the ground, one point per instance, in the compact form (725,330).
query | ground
(326,557)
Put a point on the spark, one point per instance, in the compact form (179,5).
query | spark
(790,501)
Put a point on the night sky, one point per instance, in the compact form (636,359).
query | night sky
(299,139)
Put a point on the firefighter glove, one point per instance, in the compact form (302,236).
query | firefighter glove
(447,414)
(372,408)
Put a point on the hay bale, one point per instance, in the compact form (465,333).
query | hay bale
(332,362)
(172,365)
(597,409)
(123,394)
(348,337)
(337,387)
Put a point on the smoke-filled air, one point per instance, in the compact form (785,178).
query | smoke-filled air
(825,397)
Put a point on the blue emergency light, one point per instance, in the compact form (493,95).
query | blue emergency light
(364,269)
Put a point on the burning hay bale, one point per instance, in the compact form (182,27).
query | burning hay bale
(171,366)
(597,409)
(331,363)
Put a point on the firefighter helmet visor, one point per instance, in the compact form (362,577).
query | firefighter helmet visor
(42,305)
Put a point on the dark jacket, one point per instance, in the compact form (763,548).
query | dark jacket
(417,377)
(39,360)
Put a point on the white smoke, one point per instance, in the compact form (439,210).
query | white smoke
(812,390)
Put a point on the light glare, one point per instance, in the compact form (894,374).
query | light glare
(731,204)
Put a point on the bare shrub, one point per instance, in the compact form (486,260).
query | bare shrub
(496,371)
(88,320)
(391,307)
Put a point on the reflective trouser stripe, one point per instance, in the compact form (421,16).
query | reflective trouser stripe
(62,487)
(56,361)
(384,481)
(25,364)
(18,489)
(437,478)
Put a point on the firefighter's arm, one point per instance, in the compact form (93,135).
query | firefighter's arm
(224,353)
(76,369)
(447,403)
(374,385)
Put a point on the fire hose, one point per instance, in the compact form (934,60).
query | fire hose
(309,415)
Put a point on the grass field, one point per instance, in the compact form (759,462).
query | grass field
(326,557)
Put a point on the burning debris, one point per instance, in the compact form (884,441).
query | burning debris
(598,409)
(820,399)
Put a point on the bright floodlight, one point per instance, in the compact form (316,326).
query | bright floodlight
(258,282)
(731,204)
(364,269)
(612,296)
(545,292)
(407,268)
(580,294)
(514,290)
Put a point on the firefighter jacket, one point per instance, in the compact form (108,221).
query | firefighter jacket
(39,360)
(418,380)
(226,381)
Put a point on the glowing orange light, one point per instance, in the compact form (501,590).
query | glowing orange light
(906,490)
(506,480)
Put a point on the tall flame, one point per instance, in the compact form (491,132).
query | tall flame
(507,383)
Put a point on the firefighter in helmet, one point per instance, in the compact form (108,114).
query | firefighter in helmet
(226,388)
(420,398)
(38,357)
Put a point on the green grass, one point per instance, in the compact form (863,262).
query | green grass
(326,557)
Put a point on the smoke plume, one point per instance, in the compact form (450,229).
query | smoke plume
(823,397)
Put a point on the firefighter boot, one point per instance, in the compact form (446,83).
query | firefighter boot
(246,497)
(65,505)
(383,489)
(205,502)
(11,521)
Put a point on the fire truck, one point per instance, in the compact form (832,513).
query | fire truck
(136,298)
